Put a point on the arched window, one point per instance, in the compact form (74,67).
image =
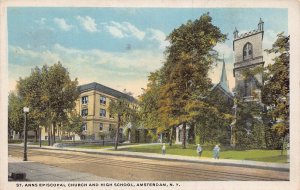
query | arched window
(247,51)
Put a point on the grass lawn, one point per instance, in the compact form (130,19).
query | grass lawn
(100,146)
(88,146)
(44,143)
(255,155)
(93,146)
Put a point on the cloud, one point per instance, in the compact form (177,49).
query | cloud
(115,31)
(114,69)
(159,36)
(134,31)
(224,49)
(270,37)
(88,23)
(62,24)
(124,29)
(41,21)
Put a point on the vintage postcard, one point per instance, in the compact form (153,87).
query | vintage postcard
(150,94)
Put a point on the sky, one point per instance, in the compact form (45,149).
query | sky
(119,47)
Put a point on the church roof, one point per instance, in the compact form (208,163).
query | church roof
(223,84)
(223,81)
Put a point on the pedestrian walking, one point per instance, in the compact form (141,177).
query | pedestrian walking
(163,149)
(216,152)
(199,150)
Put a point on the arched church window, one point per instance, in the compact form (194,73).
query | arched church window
(247,51)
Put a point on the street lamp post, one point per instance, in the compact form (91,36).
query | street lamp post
(26,110)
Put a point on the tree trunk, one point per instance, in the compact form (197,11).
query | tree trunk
(171,136)
(129,135)
(193,133)
(40,136)
(117,132)
(36,135)
(51,135)
(184,135)
(59,131)
(49,141)
(282,146)
(54,129)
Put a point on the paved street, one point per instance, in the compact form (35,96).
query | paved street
(130,168)
(41,172)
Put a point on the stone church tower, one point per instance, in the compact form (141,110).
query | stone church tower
(248,54)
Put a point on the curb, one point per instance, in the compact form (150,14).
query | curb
(221,162)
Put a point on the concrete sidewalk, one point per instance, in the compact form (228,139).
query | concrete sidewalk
(109,151)
(41,172)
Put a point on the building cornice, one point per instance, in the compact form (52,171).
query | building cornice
(105,90)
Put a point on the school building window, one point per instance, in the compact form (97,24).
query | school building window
(111,127)
(84,100)
(100,126)
(84,112)
(102,112)
(102,100)
(84,127)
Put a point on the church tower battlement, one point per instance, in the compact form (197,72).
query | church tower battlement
(260,28)
(248,55)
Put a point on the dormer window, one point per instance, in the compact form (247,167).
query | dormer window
(247,51)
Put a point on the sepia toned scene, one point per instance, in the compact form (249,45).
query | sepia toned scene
(148,94)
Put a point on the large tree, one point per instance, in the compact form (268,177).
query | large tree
(213,118)
(275,94)
(125,113)
(150,116)
(73,124)
(15,113)
(190,56)
(50,94)
(29,90)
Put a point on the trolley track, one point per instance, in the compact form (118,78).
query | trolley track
(192,172)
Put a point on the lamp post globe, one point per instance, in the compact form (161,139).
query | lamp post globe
(26,109)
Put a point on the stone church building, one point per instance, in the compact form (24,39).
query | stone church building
(223,96)
(248,73)
(248,64)
(248,55)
